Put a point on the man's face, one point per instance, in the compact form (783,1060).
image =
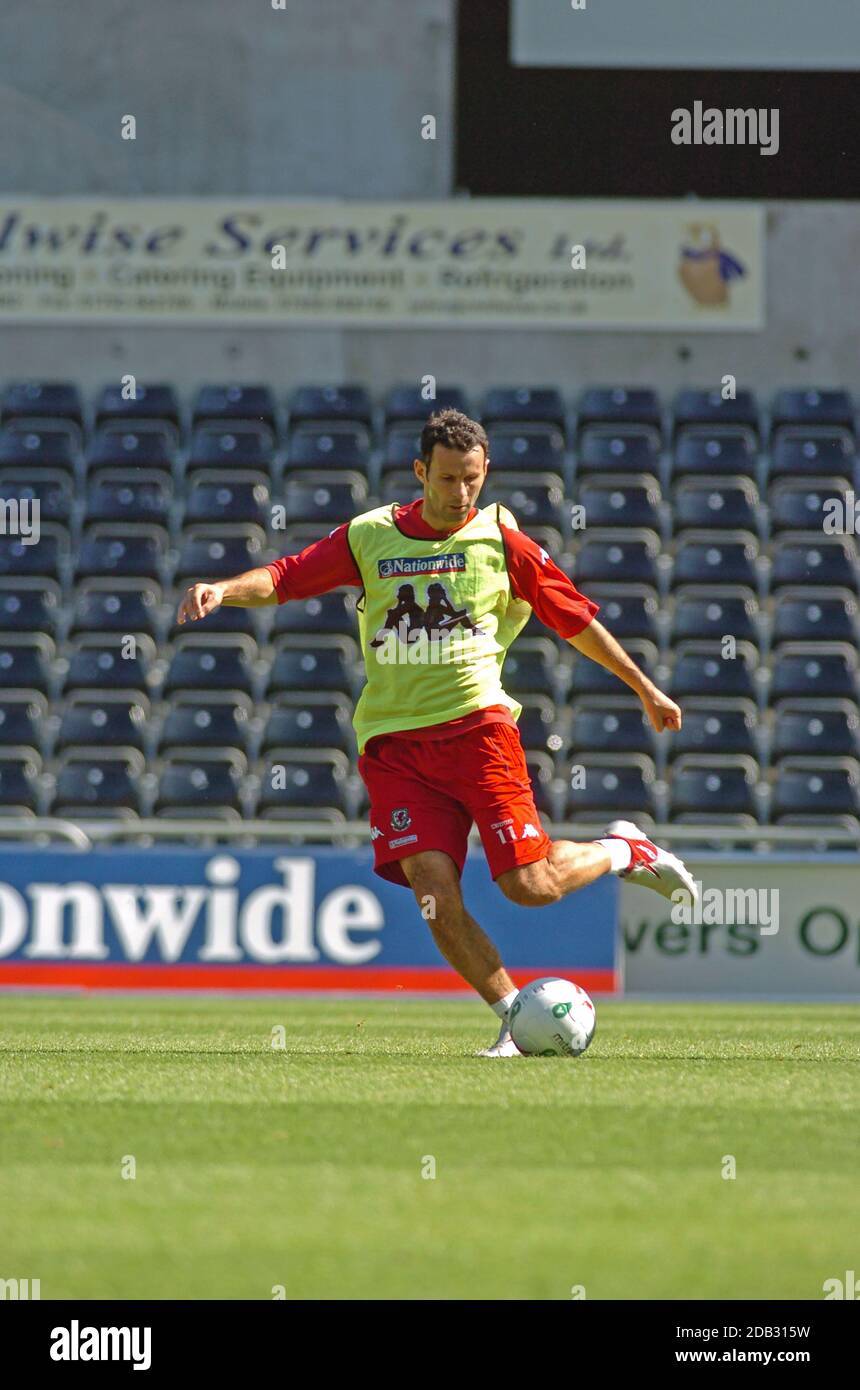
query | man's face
(452,481)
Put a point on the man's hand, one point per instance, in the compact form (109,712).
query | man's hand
(199,600)
(663,713)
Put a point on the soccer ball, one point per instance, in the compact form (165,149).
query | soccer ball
(552,1018)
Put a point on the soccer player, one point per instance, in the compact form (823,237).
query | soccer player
(437,735)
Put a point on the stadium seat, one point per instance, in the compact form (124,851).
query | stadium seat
(619,405)
(111,549)
(712,501)
(701,669)
(330,403)
(800,504)
(610,724)
(606,785)
(536,499)
(248,403)
(309,720)
(106,660)
(714,784)
(715,557)
(94,784)
(694,407)
(55,447)
(628,610)
(538,724)
(23,719)
(30,605)
(107,719)
(313,781)
(621,499)
(409,403)
(800,557)
(526,449)
(401,486)
(523,405)
(608,449)
(217,552)
(331,500)
(217,662)
(333,612)
(41,400)
(202,779)
(44,551)
(820,786)
(713,452)
(241,446)
(817,727)
(813,615)
(26,661)
(148,403)
(590,678)
(20,789)
(541,769)
(607,555)
(814,669)
(217,495)
(127,494)
(531,668)
(716,725)
(812,407)
(335,446)
(53,487)
(322,663)
(141,446)
(811,453)
(218,721)
(703,611)
(116,605)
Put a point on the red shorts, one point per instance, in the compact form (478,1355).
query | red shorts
(425,794)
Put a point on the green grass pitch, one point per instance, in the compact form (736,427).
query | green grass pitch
(301,1167)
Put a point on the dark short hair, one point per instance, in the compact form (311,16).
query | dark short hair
(453,430)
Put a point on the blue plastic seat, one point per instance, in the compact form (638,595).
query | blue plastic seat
(709,407)
(617,449)
(523,404)
(624,499)
(619,405)
(155,402)
(812,406)
(330,403)
(408,402)
(235,402)
(526,448)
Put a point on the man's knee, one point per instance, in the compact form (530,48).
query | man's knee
(435,880)
(531,885)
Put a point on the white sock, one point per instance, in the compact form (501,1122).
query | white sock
(502,1006)
(619,851)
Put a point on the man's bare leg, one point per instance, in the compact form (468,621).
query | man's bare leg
(434,880)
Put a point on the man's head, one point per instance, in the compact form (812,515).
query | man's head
(452,467)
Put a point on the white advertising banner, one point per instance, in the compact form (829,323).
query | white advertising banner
(765,927)
(477,262)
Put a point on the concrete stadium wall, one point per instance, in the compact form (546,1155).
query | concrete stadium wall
(320,99)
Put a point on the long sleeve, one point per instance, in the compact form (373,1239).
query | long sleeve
(321,566)
(536,578)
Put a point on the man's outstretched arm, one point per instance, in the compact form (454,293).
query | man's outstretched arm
(599,645)
(253,589)
(325,564)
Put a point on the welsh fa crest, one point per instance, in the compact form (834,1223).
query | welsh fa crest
(401,819)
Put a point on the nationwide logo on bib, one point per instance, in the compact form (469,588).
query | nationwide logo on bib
(422,564)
